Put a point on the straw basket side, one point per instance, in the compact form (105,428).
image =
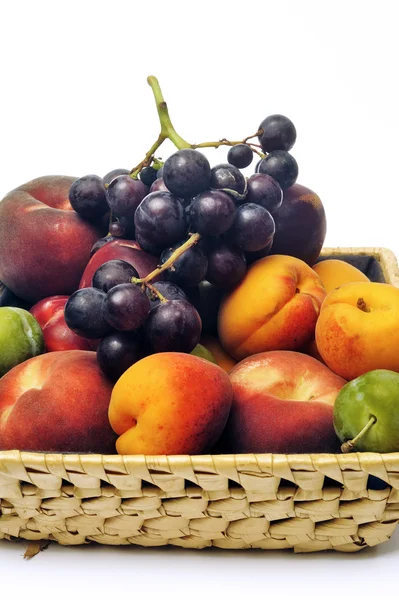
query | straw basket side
(303,502)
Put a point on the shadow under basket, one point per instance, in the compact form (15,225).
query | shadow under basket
(343,502)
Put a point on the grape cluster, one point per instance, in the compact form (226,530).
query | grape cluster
(232,217)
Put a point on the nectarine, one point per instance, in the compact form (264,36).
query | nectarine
(282,403)
(56,402)
(334,273)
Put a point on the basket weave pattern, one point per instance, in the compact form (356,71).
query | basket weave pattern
(305,502)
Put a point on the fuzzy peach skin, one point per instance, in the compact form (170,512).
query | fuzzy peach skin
(275,307)
(56,402)
(170,403)
(44,244)
(358,329)
(282,403)
(334,273)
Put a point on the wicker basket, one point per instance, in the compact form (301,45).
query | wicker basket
(305,502)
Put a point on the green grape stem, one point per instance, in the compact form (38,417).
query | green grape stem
(169,132)
(350,444)
(155,292)
(192,240)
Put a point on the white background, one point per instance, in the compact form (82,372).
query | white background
(74,100)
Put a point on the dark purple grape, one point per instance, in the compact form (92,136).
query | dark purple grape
(265,191)
(227,177)
(160,222)
(160,173)
(257,166)
(173,326)
(186,173)
(118,351)
(278,133)
(282,166)
(124,194)
(168,289)
(115,173)
(212,213)
(84,315)
(254,256)
(88,197)
(126,307)
(117,229)
(112,273)
(226,266)
(159,186)
(253,228)
(208,303)
(189,269)
(240,156)
(100,243)
(148,175)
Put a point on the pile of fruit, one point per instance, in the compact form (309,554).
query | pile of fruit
(180,308)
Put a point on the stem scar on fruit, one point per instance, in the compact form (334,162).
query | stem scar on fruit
(350,444)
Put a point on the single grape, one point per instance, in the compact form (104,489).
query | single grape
(282,166)
(278,133)
(240,156)
(168,289)
(265,191)
(124,194)
(227,177)
(126,307)
(159,222)
(117,229)
(118,351)
(159,186)
(115,173)
(186,173)
(212,213)
(83,313)
(253,228)
(160,173)
(226,266)
(208,303)
(148,175)
(88,197)
(257,166)
(173,326)
(112,273)
(189,269)
(100,243)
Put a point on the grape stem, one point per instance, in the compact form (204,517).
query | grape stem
(192,240)
(169,132)
(350,444)
(154,291)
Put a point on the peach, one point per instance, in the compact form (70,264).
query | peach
(334,273)
(224,360)
(170,403)
(275,307)
(56,402)
(282,403)
(44,244)
(357,330)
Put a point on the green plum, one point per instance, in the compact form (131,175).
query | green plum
(203,352)
(366,413)
(20,337)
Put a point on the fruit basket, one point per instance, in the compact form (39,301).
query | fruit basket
(305,502)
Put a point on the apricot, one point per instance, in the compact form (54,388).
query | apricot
(334,273)
(170,403)
(357,330)
(275,307)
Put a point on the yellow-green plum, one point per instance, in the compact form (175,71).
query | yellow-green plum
(20,337)
(366,413)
